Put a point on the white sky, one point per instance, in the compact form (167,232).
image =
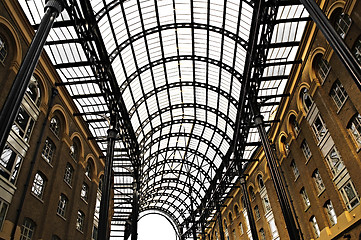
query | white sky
(155,227)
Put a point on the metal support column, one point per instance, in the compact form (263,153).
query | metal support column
(220,225)
(334,40)
(251,220)
(103,228)
(275,174)
(135,211)
(16,94)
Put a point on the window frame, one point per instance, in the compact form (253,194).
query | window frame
(84,193)
(349,202)
(354,127)
(305,198)
(28,227)
(316,228)
(320,186)
(48,151)
(39,184)
(338,94)
(3,50)
(339,166)
(13,164)
(320,133)
(331,213)
(295,170)
(80,219)
(68,174)
(62,205)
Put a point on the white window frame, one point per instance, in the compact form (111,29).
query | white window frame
(319,128)
(355,129)
(27,229)
(338,94)
(68,175)
(314,224)
(48,150)
(330,212)
(305,198)
(295,170)
(335,166)
(80,221)
(62,205)
(39,184)
(345,191)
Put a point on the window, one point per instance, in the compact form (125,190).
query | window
(88,171)
(84,192)
(315,227)
(295,126)
(323,68)
(27,229)
(262,234)
(101,183)
(355,128)
(330,212)
(240,226)
(10,163)
(266,204)
(80,221)
(39,185)
(33,91)
(54,237)
(356,50)
(305,198)
(306,150)
(334,161)
(256,212)
(48,150)
(294,168)
(318,181)
(234,234)
(349,195)
(63,202)
(236,210)
(230,217)
(343,24)
(338,94)
(3,210)
(306,99)
(273,228)
(55,126)
(3,50)
(73,151)
(23,124)
(286,146)
(319,128)
(68,176)
(252,195)
(260,181)
(95,233)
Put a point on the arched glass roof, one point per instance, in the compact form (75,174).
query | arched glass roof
(175,69)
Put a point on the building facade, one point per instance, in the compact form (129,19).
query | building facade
(50,173)
(317,143)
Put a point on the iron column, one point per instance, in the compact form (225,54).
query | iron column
(275,174)
(252,223)
(105,200)
(220,225)
(334,40)
(135,210)
(16,94)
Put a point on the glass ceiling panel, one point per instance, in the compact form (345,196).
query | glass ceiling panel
(179,67)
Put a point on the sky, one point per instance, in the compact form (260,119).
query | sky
(155,227)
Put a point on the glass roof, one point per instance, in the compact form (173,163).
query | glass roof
(179,67)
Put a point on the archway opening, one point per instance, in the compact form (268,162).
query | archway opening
(154,226)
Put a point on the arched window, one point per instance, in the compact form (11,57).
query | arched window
(230,217)
(39,185)
(341,22)
(80,221)
(3,50)
(73,151)
(356,50)
(294,124)
(55,237)
(338,94)
(285,145)
(101,183)
(306,99)
(318,181)
(55,125)
(88,170)
(252,195)
(355,128)
(260,181)
(323,67)
(84,192)
(33,91)
(262,234)
(27,229)
(315,227)
(62,204)
(236,210)
(330,212)
(48,150)
(68,175)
